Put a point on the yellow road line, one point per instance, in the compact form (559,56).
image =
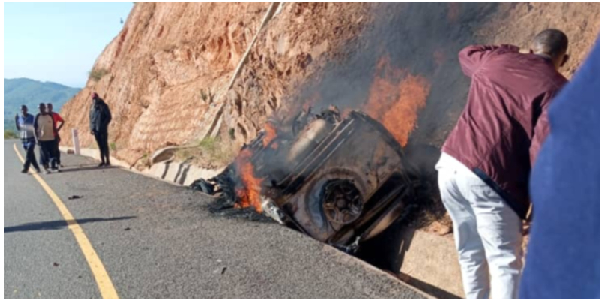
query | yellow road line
(105,285)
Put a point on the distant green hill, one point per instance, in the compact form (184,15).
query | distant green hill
(21,91)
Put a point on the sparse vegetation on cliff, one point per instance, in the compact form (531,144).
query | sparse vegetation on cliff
(207,96)
(97,74)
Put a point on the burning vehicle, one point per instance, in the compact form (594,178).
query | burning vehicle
(345,177)
(340,179)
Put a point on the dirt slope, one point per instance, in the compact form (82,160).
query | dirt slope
(157,68)
(170,58)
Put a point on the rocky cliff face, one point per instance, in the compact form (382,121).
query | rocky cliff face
(168,76)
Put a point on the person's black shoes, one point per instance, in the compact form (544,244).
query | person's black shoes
(25,171)
(101,164)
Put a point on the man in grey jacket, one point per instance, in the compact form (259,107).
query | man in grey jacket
(100,118)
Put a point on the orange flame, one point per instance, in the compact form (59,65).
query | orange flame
(271,133)
(249,194)
(395,99)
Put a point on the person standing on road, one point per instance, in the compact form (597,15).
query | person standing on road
(25,125)
(44,133)
(484,168)
(57,119)
(100,118)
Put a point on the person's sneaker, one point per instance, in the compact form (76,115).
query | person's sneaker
(101,164)
(25,171)
(38,170)
(48,171)
(54,168)
(107,164)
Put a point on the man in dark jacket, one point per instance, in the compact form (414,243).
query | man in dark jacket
(100,117)
(484,169)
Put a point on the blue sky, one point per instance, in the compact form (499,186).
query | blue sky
(58,42)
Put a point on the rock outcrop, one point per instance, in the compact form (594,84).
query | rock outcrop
(167,75)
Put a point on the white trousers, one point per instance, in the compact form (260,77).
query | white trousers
(487,232)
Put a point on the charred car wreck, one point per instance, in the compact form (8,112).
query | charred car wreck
(340,180)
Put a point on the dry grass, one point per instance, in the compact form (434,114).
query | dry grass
(210,153)
(143,162)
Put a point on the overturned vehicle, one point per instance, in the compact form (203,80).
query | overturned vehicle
(339,179)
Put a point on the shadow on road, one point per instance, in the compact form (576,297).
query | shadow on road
(94,167)
(431,289)
(59,224)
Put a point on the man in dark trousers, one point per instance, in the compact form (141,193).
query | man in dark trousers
(25,124)
(57,119)
(483,172)
(44,133)
(100,117)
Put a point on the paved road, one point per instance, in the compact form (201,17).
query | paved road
(158,240)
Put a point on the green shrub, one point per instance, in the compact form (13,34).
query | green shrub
(97,74)
(217,150)
(209,144)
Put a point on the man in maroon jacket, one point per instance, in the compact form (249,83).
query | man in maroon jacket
(484,169)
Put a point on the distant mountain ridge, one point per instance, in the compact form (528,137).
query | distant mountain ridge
(19,91)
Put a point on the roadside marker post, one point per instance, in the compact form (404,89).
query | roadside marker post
(75,141)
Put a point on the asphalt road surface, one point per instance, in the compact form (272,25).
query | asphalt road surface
(157,240)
